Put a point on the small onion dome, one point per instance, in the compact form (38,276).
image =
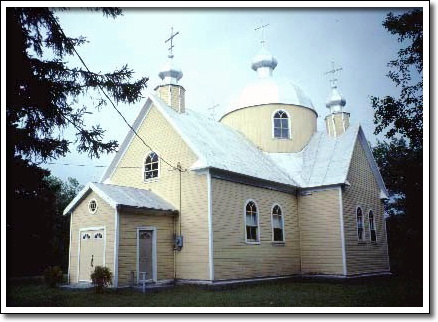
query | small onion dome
(264,63)
(170,73)
(335,102)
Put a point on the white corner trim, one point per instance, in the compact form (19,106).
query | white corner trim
(116,248)
(334,126)
(69,251)
(210,227)
(341,222)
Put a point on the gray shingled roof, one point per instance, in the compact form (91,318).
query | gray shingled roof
(324,161)
(120,196)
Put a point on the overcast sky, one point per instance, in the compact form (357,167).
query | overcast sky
(214,49)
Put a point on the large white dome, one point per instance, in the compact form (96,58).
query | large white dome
(271,91)
(267,89)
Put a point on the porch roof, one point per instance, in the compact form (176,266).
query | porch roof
(120,196)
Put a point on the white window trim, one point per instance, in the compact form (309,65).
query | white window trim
(79,248)
(258,222)
(143,168)
(363,240)
(369,226)
(88,206)
(154,252)
(289,132)
(282,225)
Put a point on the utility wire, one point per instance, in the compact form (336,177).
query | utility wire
(114,106)
(90,165)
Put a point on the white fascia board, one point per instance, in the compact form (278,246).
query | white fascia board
(159,104)
(81,195)
(371,161)
(126,142)
(76,199)
(350,156)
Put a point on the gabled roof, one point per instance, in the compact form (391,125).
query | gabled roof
(119,196)
(215,144)
(324,161)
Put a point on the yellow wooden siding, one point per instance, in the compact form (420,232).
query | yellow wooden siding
(192,260)
(82,218)
(173,95)
(321,245)
(128,223)
(233,258)
(363,257)
(256,124)
(341,121)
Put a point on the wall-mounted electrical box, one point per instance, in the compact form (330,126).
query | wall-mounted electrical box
(179,242)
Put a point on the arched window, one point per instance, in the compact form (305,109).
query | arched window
(151,167)
(251,222)
(277,224)
(359,220)
(281,125)
(372,226)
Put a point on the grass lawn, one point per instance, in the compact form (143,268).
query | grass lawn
(388,291)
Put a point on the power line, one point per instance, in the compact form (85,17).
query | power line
(90,165)
(114,106)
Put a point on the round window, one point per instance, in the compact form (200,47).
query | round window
(92,206)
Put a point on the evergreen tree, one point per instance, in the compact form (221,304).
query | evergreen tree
(42,96)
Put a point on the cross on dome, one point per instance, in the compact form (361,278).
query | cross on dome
(335,102)
(172,35)
(170,73)
(333,81)
(262,29)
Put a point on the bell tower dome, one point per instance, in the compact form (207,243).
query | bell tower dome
(337,121)
(169,90)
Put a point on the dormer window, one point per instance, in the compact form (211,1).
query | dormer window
(151,166)
(281,125)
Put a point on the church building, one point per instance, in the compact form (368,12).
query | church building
(259,194)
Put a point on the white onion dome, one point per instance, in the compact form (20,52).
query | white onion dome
(170,73)
(335,102)
(266,89)
(264,63)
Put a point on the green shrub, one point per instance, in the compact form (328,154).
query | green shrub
(53,276)
(101,278)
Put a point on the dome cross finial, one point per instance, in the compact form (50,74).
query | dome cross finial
(262,28)
(333,81)
(172,35)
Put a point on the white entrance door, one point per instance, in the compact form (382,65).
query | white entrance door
(146,253)
(91,253)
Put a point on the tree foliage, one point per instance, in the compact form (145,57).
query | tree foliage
(43,98)
(42,94)
(401,159)
(403,115)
